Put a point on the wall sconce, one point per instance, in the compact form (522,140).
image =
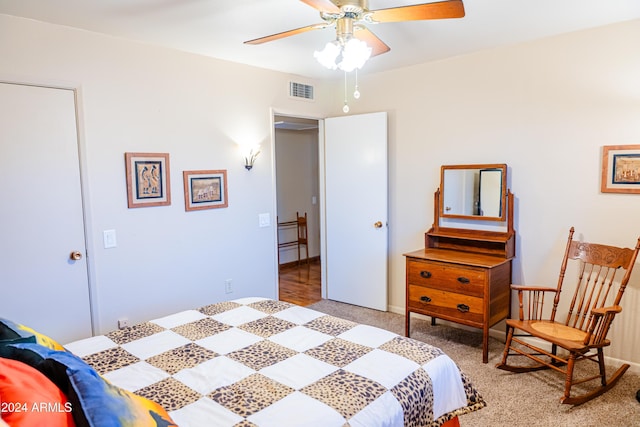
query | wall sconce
(250,154)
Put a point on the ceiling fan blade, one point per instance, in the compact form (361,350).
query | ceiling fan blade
(322,5)
(378,47)
(437,10)
(284,34)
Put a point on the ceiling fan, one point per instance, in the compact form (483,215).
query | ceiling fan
(350,16)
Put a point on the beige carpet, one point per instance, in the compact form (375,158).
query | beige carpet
(514,400)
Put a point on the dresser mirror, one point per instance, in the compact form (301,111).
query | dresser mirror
(475,192)
(463,273)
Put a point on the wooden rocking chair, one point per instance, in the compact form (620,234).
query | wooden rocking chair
(603,274)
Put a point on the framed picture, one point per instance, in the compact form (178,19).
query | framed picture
(205,189)
(147,179)
(621,169)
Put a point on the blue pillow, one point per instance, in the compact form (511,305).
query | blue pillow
(95,401)
(17,340)
(15,332)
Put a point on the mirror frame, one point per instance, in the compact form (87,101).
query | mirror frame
(503,195)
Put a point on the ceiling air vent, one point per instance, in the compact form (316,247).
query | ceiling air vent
(300,90)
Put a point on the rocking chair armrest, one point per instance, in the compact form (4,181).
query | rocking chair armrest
(521,288)
(602,318)
(536,295)
(604,310)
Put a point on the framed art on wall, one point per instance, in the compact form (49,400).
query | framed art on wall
(147,179)
(620,169)
(205,189)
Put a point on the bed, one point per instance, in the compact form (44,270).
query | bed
(252,362)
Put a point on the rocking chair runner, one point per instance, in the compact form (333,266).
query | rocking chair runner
(602,277)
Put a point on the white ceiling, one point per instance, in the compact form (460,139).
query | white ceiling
(218,28)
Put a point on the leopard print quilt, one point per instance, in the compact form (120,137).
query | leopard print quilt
(260,362)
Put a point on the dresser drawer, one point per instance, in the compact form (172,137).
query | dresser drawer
(446,304)
(470,287)
(446,277)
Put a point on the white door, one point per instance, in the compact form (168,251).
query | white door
(490,191)
(355,208)
(41,216)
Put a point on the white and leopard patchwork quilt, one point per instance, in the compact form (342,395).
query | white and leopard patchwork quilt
(260,362)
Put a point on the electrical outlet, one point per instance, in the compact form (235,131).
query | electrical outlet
(123,323)
(228,288)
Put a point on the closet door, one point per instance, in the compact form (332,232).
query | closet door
(43,268)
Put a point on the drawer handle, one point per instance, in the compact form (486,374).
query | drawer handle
(463,280)
(463,308)
(425,274)
(425,299)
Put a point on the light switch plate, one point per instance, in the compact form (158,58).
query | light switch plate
(109,239)
(264,220)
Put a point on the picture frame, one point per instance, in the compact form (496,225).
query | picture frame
(205,189)
(148,179)
(620,169)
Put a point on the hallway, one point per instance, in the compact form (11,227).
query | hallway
(300,284)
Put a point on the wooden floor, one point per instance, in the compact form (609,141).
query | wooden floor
(300,284)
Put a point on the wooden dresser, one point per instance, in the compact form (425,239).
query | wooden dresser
(462,276)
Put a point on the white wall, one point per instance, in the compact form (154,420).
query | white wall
(545,108)
(139,98)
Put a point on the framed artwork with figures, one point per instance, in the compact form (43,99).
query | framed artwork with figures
(205,189)
(147,179)
(620,169)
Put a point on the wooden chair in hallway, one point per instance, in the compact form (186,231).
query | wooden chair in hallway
(602,275)
(300,223)
(302,236)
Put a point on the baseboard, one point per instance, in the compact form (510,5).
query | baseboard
(395,309)
(292,264)
(501,335)
(498,331)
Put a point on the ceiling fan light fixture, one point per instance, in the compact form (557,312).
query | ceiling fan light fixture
(327,56)
(346,56)
(354,54)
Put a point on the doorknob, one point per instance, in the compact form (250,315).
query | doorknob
(75,256)
(378,224)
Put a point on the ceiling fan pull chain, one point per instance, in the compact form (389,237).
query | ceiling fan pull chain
(346,106)
(356,92)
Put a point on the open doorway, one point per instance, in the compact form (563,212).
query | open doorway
(297,190)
